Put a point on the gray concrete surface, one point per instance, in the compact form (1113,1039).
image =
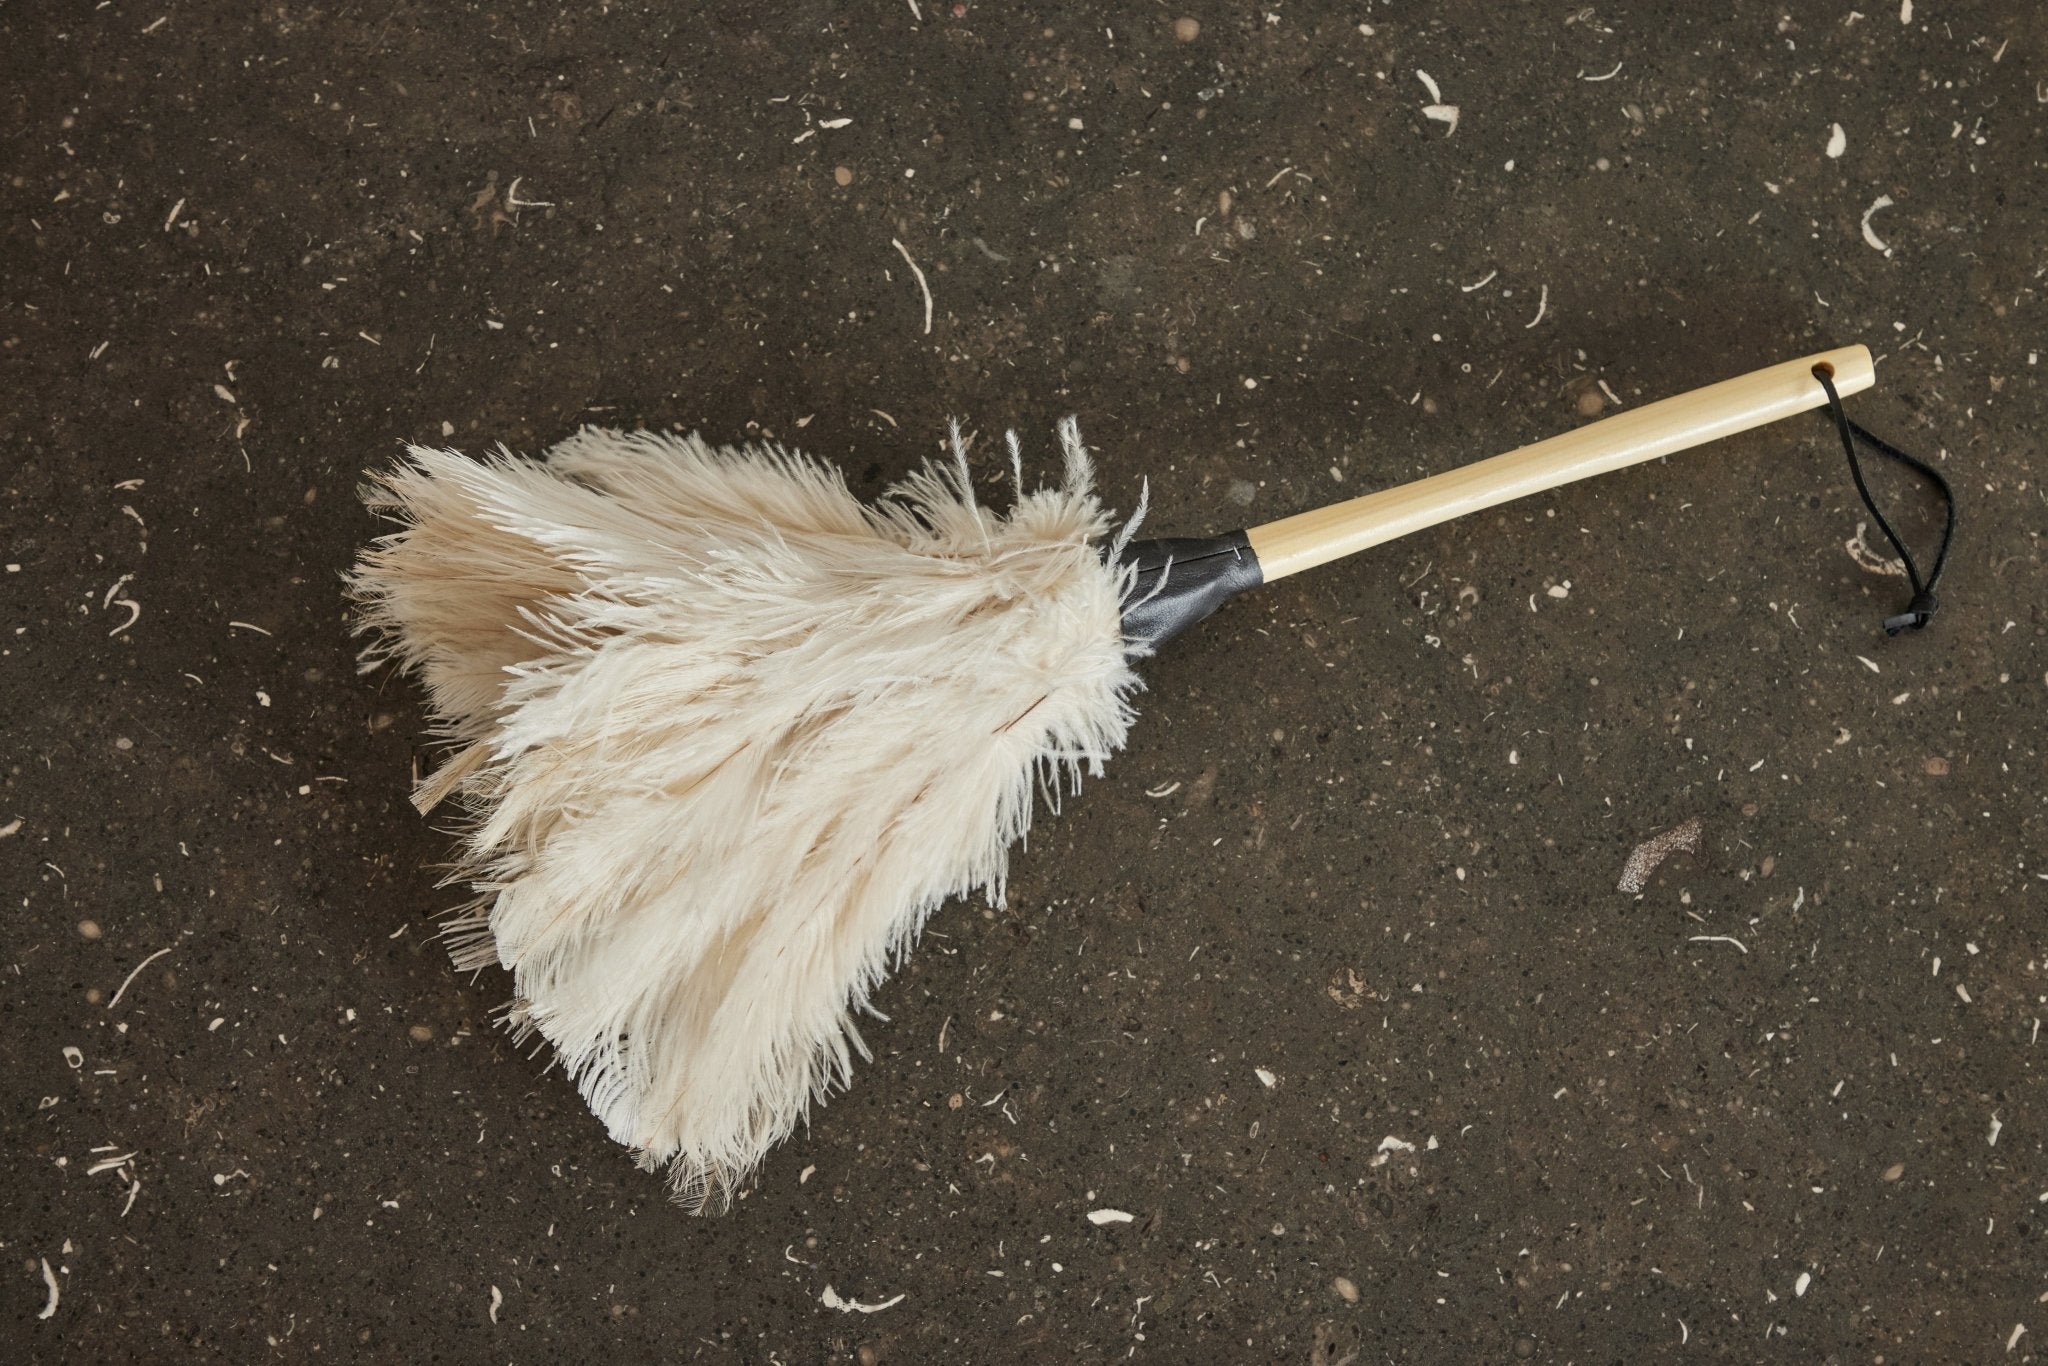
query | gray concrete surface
(247,250)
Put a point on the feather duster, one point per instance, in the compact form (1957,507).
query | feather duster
(726,737)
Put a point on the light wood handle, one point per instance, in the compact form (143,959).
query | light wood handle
(1308,539)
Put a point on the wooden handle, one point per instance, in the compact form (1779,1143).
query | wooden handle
(1308,539)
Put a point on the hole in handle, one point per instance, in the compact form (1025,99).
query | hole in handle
(1824,369)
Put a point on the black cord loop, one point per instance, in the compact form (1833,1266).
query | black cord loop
(1921,609)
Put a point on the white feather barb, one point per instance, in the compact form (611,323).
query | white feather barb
(727,737)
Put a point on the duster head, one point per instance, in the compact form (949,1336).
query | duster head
(726,737)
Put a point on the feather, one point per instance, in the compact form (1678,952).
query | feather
(726,738)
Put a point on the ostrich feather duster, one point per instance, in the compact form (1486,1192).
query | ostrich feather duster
(726,737)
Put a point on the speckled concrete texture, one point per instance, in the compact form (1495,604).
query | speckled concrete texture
(1328,984)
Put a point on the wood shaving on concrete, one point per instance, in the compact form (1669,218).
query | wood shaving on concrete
(831,1299)
(1869,560)
(129,980)
(1718,939)
(1883,201)
(924,288)
(1685,838)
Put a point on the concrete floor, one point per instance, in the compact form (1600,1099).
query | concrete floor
(1786,1105)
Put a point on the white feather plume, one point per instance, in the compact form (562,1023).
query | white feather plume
(727,737)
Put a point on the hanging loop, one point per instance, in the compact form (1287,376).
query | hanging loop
(1921,609)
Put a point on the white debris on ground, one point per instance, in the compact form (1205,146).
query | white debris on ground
(922,287)
(122,1165)
(1870,561)
(831,1299)
(1446,114)
(1388,1147)
(1718,939)
(129,980)
(1100,1217)
(1883,201)
(1684,838)
(56,1293)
